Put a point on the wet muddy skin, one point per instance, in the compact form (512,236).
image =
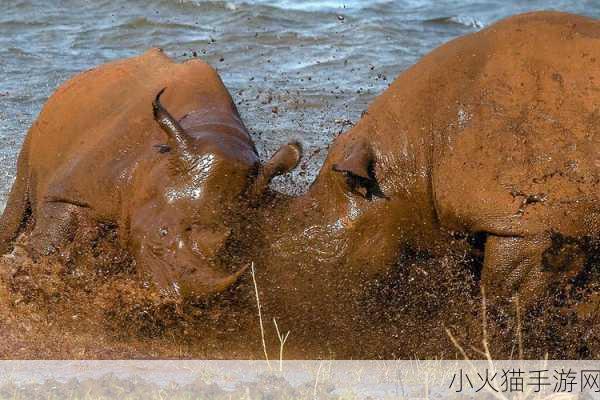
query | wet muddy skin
(387,249)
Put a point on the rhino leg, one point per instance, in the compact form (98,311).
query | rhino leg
(16,212)
(15,215)
(513,267)
(55,226)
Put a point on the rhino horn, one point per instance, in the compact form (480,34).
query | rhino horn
(179,140)
(214,283)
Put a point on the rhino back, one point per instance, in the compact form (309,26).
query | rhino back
(98,126)
(490,121)
(517,150)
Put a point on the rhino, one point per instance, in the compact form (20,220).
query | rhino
(494,136)
(158,150)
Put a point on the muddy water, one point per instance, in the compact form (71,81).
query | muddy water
(296,69)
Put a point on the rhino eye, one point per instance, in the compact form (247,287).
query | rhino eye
(367,188)
(163,232)
(358,169)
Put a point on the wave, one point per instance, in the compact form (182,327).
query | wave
(467,21)
(203,5)
(288,5)
(143,22)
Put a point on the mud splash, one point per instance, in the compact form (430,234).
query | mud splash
(89,303)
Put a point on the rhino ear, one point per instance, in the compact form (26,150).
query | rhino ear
(284,160)
(358,162)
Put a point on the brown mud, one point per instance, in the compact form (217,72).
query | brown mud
(88,303)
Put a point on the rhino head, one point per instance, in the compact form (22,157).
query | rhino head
(189,206)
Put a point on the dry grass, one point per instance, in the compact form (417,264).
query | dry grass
(281,337)
(282,340)
(487,356)
(260,320)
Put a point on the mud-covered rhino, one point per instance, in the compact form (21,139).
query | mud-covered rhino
(105,150)
(494,135)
